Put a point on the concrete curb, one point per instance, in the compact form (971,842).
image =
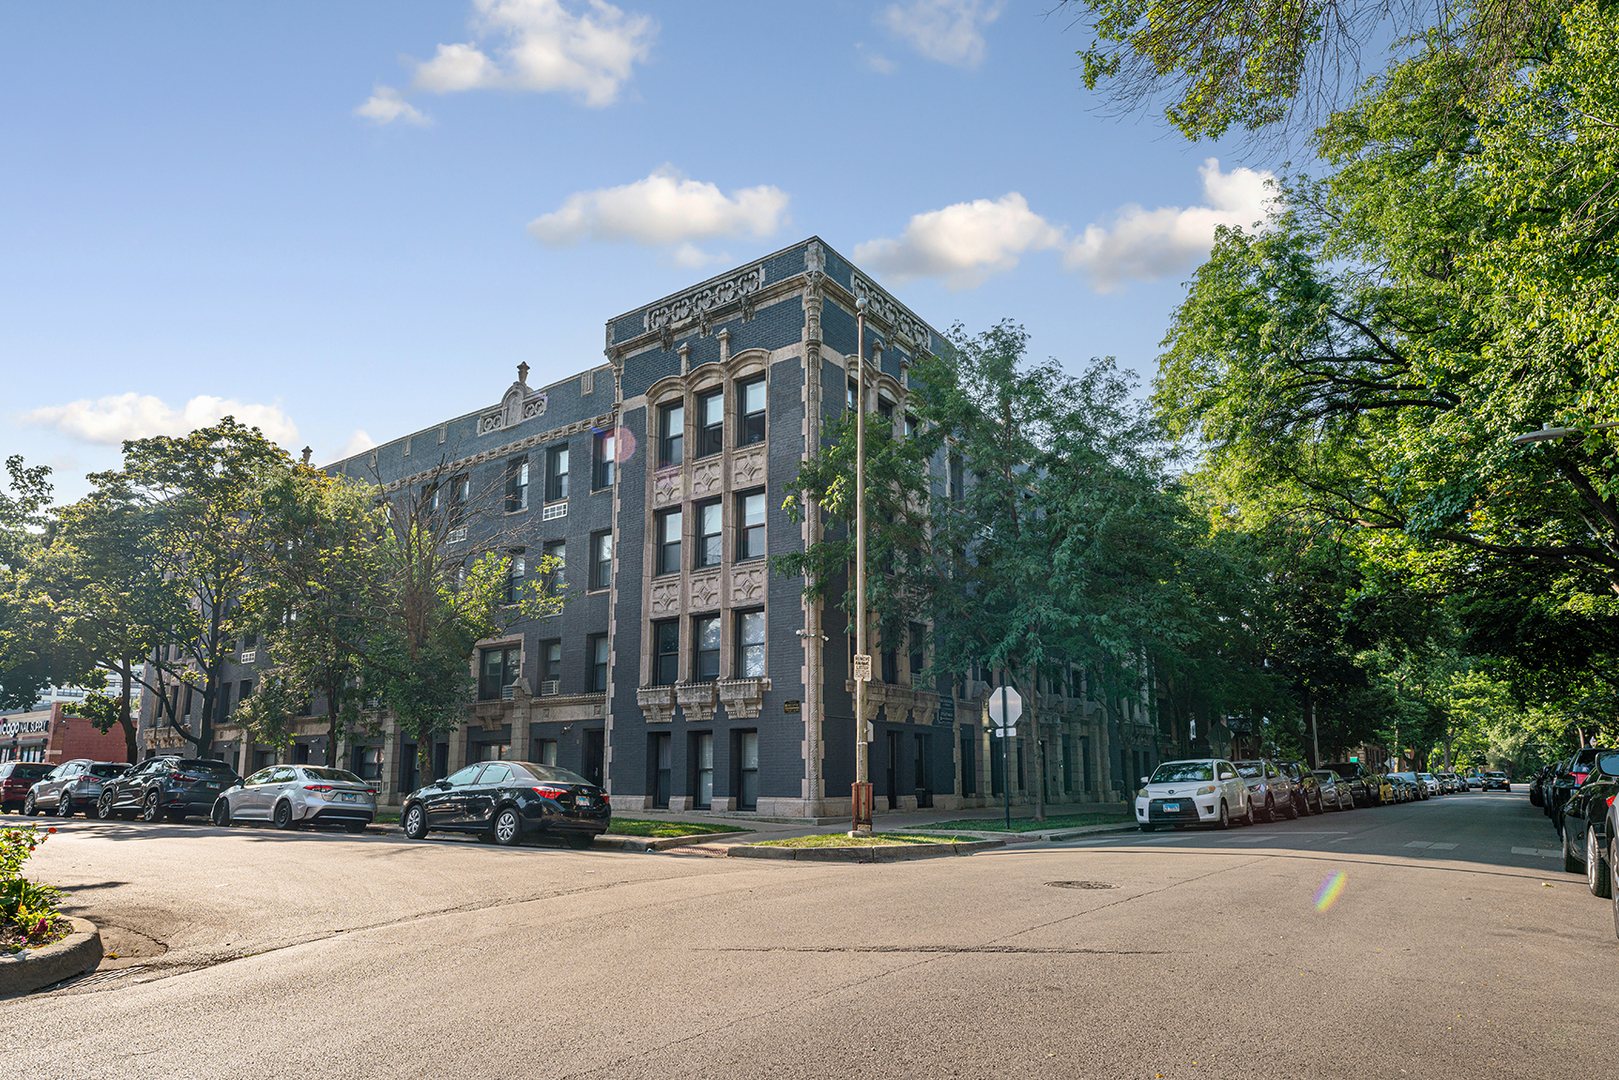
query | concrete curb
(611,842)
(31,969)
(1029,837)
(869,854)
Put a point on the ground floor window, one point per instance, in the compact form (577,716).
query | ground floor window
(368,762)
(747,756)
(545,751)
(969,762)
(702,754)
(491,751)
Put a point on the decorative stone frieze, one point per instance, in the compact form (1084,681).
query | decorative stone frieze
(704,299)
(742,698)
(747,584)
(705,591)
(748,466)
(657,703)
(668,487)
(697,700)
(889,310)
(903,703)
(707,477)
(605,420)
(665,597)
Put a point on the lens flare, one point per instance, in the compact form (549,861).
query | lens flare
(1330,890)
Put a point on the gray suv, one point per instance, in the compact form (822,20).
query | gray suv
(72,786)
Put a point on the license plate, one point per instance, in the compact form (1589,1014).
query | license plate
(349,797)
(1172,808)
(211,787)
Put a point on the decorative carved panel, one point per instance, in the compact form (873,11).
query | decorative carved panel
(886,308)
(668,487)
(747,584)
(743,697)
(706,478)
(748,467)
(705,591)
(665,598)
(657,703)
(704,299)
(698,701)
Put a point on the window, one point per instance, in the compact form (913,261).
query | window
(885,409)
(556,473)
(711,423)
(751,395)
(919,652)
(957,478)
(668,540)
(751,532)
(747,760)
(606,458)
(598,663)
(558,550)
(550,667)
(368,762)
(672,434)
(666,660)
(515,574)
(910,425)
(854,395)
(706,636)
(750,644)
(498,671)
(703,756)
(547,752)
(247,690)
(708,533)
(890,666)
(516,484)
(601,559)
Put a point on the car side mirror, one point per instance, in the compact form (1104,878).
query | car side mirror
(442,785)
(1143,781)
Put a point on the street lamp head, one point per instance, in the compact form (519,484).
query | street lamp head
(860,306)
(1547,433)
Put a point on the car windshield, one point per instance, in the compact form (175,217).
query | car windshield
(1248,768)
(549,773)
(342,776)
(205,766)
(1495,774)
(1326,774)
(108,770)
(1183,771)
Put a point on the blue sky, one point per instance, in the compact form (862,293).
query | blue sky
(349,221)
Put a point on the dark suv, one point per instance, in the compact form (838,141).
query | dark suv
(171,787)
(1363,783)
(16,779)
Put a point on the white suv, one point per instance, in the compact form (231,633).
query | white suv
(1200,791)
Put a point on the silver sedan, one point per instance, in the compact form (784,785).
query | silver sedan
(1336,794)
(291,795)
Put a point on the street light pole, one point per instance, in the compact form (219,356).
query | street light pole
(861,792)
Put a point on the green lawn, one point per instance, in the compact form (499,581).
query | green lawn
(661,829)
(821,840)
(1023,824)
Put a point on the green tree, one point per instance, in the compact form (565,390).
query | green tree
(24,617)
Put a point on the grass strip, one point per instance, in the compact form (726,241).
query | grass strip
(660,830)
(1020,825)
(826,840)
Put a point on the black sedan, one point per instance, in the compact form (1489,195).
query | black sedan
(171,787)
(505,801)
(1585,824)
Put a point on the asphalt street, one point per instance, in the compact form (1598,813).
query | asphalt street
(1454,948)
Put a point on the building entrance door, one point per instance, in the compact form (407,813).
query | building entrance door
(596,756)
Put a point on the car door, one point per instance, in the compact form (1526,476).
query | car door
(282,778)
(478,800)
(445,800)
(248,801)
(133,783)
(1232,788)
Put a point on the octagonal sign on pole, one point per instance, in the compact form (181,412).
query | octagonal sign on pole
(1005,706)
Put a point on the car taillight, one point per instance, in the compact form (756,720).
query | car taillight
(1610,800)
(319,787)
(187,777)
(1579,778)
(550,792)
(370,791)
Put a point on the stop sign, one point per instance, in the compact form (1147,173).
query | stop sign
(1005,706)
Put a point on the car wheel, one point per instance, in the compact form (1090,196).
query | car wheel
(150,811)
(1613,859)
(1268,811)
(1148,828)
(104,805)
(1596,871)
(1292,811)
(353,827)
(579,841)
(1225,815)
(222,814)
(508,828)
(1571,862)
(283,815)
(29,807)
(415,822)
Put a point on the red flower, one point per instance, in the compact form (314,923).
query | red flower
(51,830)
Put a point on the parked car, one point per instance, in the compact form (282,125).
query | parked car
(1431,783)
(1269,792)
(292,795)
(1404,791)
(508,800)
(1412,780)
(1306,788)
(16,779)
(1585,824)
(72,786)
(1568,780)
(172,787)
(1496,781)
(1201,791)
(1362,781)
(1336,792)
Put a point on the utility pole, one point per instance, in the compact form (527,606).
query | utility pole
(861,800)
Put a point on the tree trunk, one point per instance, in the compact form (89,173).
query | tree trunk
(131,749)
(424,761)
(1039,747)
(331,727)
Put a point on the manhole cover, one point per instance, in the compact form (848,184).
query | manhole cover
(1082,885)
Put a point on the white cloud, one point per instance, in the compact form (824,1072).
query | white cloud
(113,419)
(384,106)
(963,244)
(541,45)
(1144,245)
(949,31)
(358,443)
(875,61)
(664,209)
